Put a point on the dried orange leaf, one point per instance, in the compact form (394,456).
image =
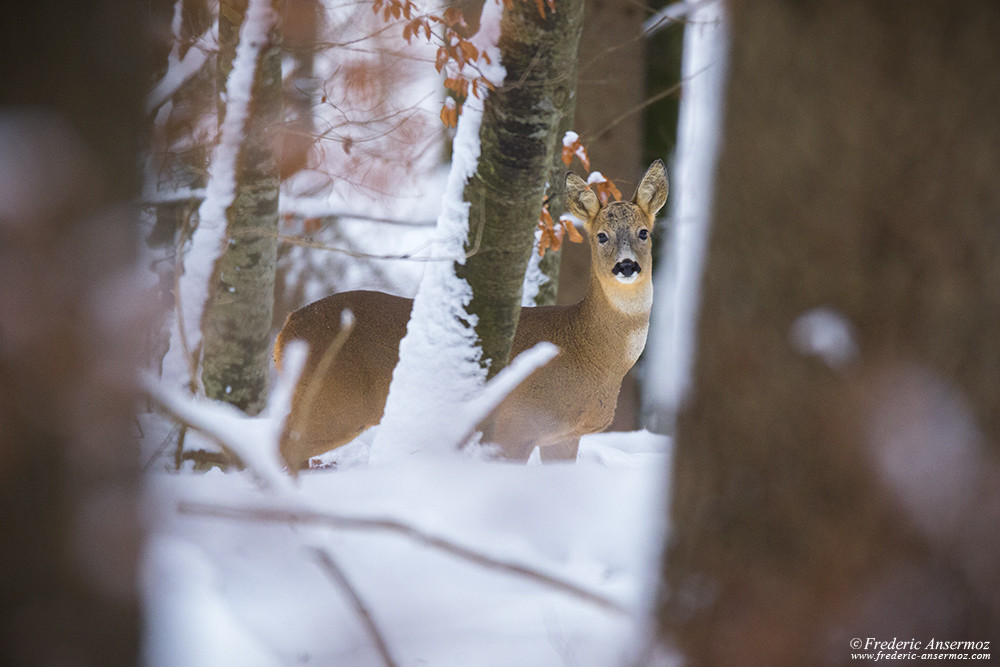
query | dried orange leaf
(449,113)
(571,231)
(453,16)
(469,50)
(441,58)
(545,218)
(606,190)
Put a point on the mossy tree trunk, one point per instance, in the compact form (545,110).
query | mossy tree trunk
(237,324)
(844,483)
(520,134)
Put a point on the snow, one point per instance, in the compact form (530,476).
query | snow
(672,323)
(235,574)
(926,446)
(825,333)
(37,148)
(596,177)
(534,277)
(437,383)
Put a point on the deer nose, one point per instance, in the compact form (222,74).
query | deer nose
(626,268)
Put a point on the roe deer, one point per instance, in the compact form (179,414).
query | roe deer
(346,377)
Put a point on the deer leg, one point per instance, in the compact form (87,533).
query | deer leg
(564,450)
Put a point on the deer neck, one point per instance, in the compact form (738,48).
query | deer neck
(617,319)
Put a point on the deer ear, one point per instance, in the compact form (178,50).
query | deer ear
(651,194)
(580,200)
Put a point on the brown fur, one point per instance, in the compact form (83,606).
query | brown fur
(599,338)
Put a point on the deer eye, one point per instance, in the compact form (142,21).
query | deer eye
(643,234)
(602,237)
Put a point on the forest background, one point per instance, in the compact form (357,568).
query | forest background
(834,466)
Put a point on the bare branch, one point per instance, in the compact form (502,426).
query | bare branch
(181,69)
(645,103)
(338,576)
(342,522)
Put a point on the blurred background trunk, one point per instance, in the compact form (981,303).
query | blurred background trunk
(72,78)
(836,470)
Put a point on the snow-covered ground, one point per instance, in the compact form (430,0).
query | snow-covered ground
(433,549)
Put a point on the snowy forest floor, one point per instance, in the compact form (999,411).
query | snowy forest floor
(281,577)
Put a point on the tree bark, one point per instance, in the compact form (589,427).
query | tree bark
(71,324)
(519,135)
(237,325)
(822,492)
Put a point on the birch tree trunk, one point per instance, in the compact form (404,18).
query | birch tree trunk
(837,464)
(237,324)
(519,135)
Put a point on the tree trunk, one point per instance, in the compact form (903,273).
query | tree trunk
(301,27)
(837,465)
(237,325)
(519,135)
(180,150)
(72,77)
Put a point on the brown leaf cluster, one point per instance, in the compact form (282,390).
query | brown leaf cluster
(576,148)
(552,233)
(454,48)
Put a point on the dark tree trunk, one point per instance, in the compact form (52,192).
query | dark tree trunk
(814,502)
(72,76)
(519,135)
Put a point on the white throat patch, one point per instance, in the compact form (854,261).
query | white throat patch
(635,301)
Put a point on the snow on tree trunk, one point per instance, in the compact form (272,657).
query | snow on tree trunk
(521,133)
(671,345)
(208,243)
(439,366)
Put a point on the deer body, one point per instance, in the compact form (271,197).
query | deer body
(599,338)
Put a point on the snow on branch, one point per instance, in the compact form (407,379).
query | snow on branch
(181,69)
(251,441)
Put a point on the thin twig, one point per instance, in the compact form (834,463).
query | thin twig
(315,383)
(338,576)
(205,429)
(645,103)
(412,256)
(190,356)
(342,522)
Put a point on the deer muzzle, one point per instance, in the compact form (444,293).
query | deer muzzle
(626,270)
